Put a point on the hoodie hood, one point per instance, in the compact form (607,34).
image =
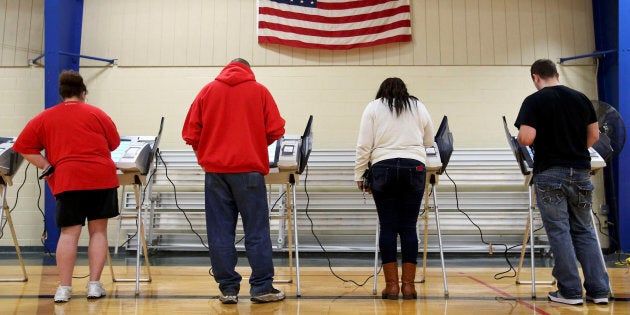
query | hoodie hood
(235,73)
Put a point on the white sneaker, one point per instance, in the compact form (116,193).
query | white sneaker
(273,296)
(557,297)
(598,300)
(63,294)
(228,299)
(95,290)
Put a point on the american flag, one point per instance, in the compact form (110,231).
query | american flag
(333,24)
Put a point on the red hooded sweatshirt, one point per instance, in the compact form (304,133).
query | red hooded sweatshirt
(232,121)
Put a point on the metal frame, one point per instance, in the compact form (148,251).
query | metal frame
(433,181)
(329,188)
(601,255)
(594,54)
(5,211)
(289,180)
(136,180)
(529,232)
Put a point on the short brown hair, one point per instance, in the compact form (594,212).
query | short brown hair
(71,84)
(544,68)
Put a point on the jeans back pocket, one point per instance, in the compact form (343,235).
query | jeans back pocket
(549,194)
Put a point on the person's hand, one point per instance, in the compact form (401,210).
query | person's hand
(48,171)
(360,186)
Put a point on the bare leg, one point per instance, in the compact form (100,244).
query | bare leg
(97,250)
(67,253)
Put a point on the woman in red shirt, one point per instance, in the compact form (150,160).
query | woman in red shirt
(78,139)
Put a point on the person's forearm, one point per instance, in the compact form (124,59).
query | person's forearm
(592,134)
(37,160)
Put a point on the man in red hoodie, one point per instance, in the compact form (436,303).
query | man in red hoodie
(229,126)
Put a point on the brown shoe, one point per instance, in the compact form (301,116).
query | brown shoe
(408,278)
(391,281)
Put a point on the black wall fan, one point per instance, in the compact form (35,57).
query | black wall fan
(611,125)
(612,137)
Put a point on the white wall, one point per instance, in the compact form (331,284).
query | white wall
(445,32)
(469,59)
(474,97)
(21,98)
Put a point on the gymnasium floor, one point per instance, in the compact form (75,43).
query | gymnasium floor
(181,284)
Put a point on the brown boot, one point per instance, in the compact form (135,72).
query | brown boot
(408,278)
(391,281)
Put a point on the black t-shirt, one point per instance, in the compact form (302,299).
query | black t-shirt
(560,116)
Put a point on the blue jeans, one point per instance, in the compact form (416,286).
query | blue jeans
(397,188)
(564,197)
(227,195)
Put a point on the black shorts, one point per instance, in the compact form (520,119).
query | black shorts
(73,207)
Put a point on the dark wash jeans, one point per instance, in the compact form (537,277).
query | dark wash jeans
(564,198)
(397,188)
(227,195)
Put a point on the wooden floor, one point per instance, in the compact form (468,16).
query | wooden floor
(190,290)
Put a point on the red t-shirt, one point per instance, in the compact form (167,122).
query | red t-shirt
(78,139)
(232,121)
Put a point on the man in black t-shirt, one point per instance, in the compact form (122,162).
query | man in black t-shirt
(560,124)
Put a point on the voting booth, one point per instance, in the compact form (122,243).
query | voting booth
(288,158)
(10,162)
(134,159)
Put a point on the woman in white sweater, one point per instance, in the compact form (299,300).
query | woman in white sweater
(394,132)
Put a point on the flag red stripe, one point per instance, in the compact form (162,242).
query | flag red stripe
(295,43)
(344,33)
(333,20)
(349,4)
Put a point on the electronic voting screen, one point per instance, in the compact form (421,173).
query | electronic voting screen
(135,153)
(10,160)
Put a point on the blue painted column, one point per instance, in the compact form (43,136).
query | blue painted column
(623,187)
(62,24)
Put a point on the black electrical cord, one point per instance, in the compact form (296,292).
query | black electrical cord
(144,192)
(159,154)
(186,216)
(618,261)
(17,197)
(44,232)
(599,224)
(322,246)
(499,275)
(184,212)
(44,236)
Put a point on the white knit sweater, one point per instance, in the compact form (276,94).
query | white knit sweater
(383,135)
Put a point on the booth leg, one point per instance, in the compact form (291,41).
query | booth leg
(425,242)
(288,216)
(529,229)
(5,211)
(141,244)
(437,221)
(297,245)
(601,255)
(377,234)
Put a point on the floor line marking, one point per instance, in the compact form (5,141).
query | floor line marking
(505,294)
